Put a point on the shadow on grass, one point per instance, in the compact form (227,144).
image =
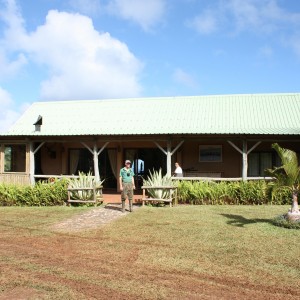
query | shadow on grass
(240,221)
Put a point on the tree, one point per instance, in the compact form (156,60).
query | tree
(288,176)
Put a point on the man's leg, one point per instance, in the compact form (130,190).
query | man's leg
(123,198)
(130,197)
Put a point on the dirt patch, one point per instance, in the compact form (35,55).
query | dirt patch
(21,293)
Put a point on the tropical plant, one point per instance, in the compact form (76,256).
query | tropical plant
(156,179)
(287,176)
(84,181)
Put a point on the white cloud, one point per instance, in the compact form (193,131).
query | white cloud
(11,58)
(83,63)
(145,13)
(184,78)
(7,113)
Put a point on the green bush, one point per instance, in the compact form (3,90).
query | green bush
(236,192)
(41,194)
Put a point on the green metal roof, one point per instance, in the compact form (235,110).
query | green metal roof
(214,114)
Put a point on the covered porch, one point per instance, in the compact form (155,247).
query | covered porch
(25,161)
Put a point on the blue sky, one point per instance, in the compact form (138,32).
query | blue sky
(95,49)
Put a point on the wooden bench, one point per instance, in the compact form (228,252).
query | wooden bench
(171,189)
(94,189)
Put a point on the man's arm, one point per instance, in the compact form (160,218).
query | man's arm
(132,180)
(121,183)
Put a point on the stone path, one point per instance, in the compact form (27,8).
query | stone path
(92,219)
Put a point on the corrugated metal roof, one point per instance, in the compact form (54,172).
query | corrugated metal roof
(214,114)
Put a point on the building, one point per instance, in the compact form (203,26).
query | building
(210,136)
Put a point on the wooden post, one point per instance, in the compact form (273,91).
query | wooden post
(169,158)
(245,161)
(31,163)
(96,165)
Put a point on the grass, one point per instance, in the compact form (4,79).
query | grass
(154,253)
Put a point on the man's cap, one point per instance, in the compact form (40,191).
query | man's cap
(127,162)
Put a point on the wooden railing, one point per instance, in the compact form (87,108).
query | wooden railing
(220,178)
(172,194)
(15,178)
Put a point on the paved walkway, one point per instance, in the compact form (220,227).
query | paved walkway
(92,219)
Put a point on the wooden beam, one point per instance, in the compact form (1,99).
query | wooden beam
(160,147)
(252,148)
(235,147)
(38,147)
(104,146)
(87,147)
(177,147)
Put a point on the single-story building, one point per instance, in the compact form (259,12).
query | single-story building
(210,136)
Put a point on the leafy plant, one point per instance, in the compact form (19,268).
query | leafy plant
(155,179)
(224,192)
(287,176)
(41,194)
(282,221)
(84,181)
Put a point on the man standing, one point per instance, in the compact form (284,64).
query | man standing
(127,184)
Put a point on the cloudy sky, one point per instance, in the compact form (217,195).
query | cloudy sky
(96,49)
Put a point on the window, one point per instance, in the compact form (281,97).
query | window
(258,162)
(210,153)
(14,158)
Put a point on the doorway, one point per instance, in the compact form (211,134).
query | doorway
(145,160)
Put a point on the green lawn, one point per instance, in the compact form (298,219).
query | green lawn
(185,252)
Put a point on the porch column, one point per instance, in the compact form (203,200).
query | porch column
(95,153)
(169,154)
(31,163)
(244,153)
(96,164)
(169,159)
(32,152)
(245,161)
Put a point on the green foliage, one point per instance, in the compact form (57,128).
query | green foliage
(41,194)
(235,192)
(281,221)
(288,175)
(84,181)
(156,179)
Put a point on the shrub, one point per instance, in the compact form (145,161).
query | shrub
(41,194)
(281,221)
(235,192)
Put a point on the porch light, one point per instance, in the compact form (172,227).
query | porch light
(38,123)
